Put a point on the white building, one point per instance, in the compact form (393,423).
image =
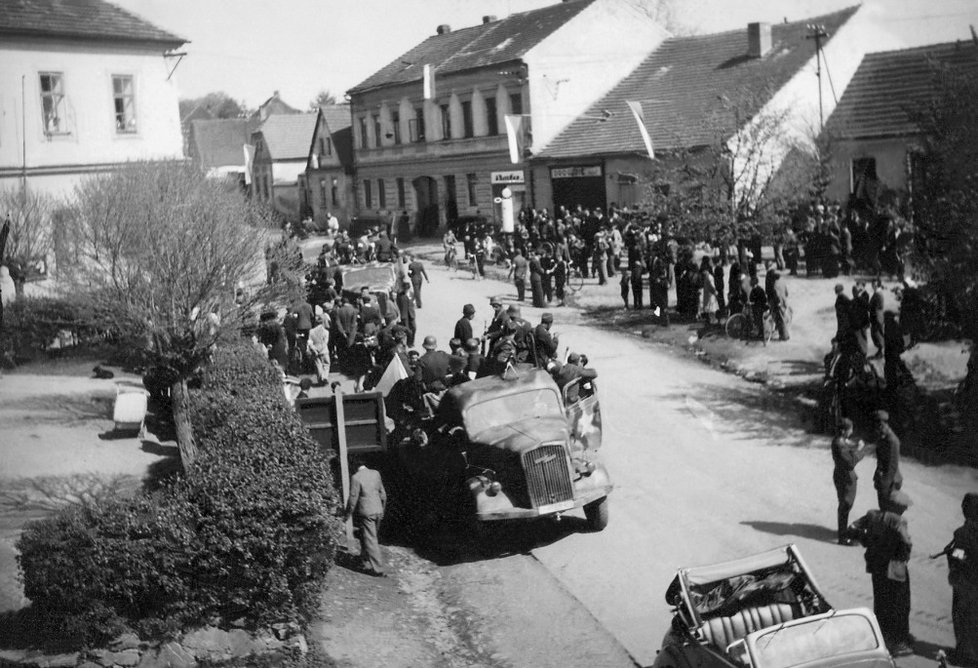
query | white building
(84,87)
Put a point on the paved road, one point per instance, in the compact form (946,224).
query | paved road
(706,470)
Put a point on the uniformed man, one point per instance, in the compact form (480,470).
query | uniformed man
(523,337)
(495,327)
(463,328)
(544,343)
(887,477)
(846,453)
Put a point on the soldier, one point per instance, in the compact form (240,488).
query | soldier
(463,328)
(962,557)
(887,478)
(544,343)
(523,338)
(846,453)
(495,328)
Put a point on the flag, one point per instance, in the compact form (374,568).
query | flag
(394,372)
(249,159)
(516,137)
(429,82)
(636,108)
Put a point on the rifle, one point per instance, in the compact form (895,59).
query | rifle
(946,552)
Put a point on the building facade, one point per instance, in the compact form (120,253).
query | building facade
(84,88)
(874,141)
(281,151)
(446,153)
(328,179)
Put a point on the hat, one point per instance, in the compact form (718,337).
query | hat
(547,317)
(839,288)
(430,343)
(573,358)
(513,309)
(882,416)
(494,301)
(468,309)
(898,500)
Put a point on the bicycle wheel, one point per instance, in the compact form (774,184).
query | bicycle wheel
(736,326)
(575,280)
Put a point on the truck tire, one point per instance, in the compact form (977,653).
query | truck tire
(597,514)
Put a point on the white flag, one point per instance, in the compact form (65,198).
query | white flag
(514,133)
(429,82)
(249,158)
(394,372)
(636,108)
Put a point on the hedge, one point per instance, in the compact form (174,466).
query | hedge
(249,533)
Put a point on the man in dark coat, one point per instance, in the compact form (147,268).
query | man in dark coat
(523,338)
(843,316)
(409,318)
(846,453)
(536,279)
(433,367)
(859,318)
(574,368)
(496,326)
(417,273)
(346,324)
(962,558)
(876,322)
(518,270)
(887,540)
(366,504)
(463,328)
(545,344)
(758,306)
(887,477)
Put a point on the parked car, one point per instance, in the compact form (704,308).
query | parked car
(764,611)
(512,447)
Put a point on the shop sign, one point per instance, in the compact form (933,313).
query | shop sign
(574,172)
(507,177)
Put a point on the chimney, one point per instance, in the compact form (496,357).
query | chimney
(444,29)
(758,39)
(488,19)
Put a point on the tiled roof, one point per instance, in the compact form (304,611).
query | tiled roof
(478,46)
(220,142)
(338,121)
(82,19)
(690,87)
(289,136)
(888,83)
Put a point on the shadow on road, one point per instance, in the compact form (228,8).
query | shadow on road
(810,531)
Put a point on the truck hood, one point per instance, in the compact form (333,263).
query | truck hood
(525,435)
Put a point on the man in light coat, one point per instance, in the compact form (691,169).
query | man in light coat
(366,504)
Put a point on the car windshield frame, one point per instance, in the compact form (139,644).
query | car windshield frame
(812,639)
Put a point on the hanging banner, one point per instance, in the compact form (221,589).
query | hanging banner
(639,115)
(429,82)
(515,136)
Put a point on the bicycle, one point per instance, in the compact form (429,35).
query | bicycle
(575,278)
(451,258)
(741,325)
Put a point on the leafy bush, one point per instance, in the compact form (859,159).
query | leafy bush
(250,532)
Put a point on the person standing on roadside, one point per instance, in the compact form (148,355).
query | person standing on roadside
(463,328)
(366,505)
(884,534)
(518,271)
(876,320)
(846,453)
(417,273)
(536,279)
(887,477)
(779,305)
(962,560)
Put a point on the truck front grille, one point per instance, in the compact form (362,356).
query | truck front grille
(548,477)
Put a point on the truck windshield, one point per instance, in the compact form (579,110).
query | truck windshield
(823,638)
(512,408)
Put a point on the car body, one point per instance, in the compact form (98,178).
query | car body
(378,277)
(764,611)
(514,447)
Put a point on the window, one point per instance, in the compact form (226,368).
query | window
(516,103)
(400,193)
(416,126)
(363,132)
(446,122)
(396,122)
(322,192)
(492,121)
(377,132)
(329,146)
(467,120)
(865,182)
(381,193)
(322,146)
(451,198)
(124,98)
(368,198)
(471,180)
(335,194)
(53,103)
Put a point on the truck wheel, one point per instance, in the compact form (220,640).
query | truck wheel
(597,514)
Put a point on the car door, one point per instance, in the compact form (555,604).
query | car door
(583,412)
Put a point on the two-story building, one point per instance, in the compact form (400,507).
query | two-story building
(437,146)
(84,88)
(751,95)
(327,184)
(873,137)
(281,151)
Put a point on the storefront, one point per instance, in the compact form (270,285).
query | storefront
(578,185)
(515,180)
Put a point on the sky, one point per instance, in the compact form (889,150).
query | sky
(252,48)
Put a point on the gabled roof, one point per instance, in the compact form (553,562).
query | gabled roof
(691,87)
(80,19)
(288,136)
(889,83)
(220,142)
(478,46)
(338,121)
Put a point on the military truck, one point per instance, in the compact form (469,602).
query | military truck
(512,447)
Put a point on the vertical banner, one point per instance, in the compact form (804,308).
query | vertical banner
(514,133)
(429,82)
(249,159)
(636,108)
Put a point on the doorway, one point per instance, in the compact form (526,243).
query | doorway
(426,196)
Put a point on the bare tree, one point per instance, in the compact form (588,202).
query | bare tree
(665,13)
(323,99)
(30,240)
(165,250)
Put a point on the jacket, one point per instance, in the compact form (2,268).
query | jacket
(367,494)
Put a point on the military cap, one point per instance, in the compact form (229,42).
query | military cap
(468,309)
(494,301)
(547,317)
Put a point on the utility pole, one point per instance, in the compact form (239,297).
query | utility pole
(818,33)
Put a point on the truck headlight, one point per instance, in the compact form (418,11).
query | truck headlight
(494,488)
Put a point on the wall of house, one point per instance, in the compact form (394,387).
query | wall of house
(89,140)
(583,60)
(323,205)
(891,163)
